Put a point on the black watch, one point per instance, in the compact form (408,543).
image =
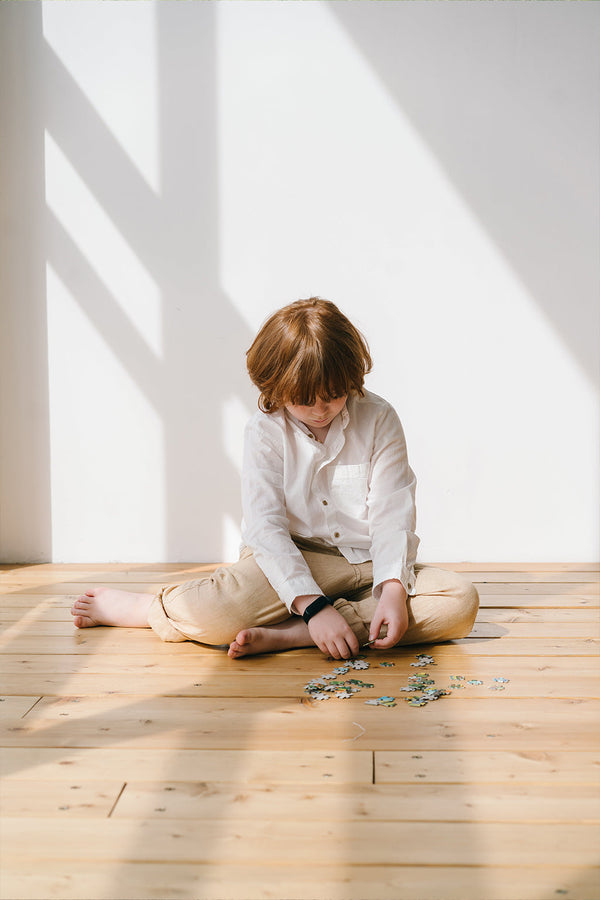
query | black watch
(316,606)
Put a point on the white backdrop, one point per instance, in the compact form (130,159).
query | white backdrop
(174,172)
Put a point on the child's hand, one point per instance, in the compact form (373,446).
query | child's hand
(391,611)
(332,634)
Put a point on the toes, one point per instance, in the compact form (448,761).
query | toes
(80,604)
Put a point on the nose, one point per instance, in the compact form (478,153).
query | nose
(321,407)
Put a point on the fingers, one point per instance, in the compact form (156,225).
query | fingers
(374,631)
(383,643)
(394,634)
(341,648)
(332,634)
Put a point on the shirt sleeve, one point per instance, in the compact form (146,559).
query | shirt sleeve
(391,505)
(265,527)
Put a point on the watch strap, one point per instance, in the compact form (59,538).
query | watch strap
(316,606)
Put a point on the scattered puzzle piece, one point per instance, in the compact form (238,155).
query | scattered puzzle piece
(423,659)
(421,684)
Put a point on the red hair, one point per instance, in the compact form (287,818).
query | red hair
(306,350)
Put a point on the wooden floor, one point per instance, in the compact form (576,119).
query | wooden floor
(137,769)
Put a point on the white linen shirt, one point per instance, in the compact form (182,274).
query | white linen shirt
(355,491)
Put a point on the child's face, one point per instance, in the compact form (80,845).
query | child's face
(321,414)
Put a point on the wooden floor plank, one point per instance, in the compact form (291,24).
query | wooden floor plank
(257,842)
(90,685)
(213,801)
(298,664)
(187,881)
(550,681)
(484,576)
(525,767)
(538,601)
(143,640)
(533,630)
(93,799)
(181,722)
(565,589)
(248,766)
(304,767)
(500,614)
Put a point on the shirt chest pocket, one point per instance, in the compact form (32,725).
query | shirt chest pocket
(349,487)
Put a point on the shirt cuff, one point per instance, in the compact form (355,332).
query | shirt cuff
(297,587)
(405,575)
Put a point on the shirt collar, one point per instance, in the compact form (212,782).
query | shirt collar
(343,417)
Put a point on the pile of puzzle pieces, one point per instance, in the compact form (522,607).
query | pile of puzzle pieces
(421,684)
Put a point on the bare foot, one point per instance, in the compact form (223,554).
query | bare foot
(270,638)
(105,606)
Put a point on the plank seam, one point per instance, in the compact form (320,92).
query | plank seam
(119,795)
(31,707)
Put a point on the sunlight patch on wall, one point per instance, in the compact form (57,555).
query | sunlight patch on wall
(327,188)
(114,62)
(101,426)
(103,246)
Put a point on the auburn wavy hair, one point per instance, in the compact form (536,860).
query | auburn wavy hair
(306,350)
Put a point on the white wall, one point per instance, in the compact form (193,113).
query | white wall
(173,172)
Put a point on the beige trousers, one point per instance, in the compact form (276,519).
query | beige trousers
(212,610)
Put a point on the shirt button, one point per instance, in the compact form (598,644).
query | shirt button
(324,502)
(336,534)
(312,437)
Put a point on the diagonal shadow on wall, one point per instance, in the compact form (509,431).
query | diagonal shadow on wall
(506,96)
(175,237)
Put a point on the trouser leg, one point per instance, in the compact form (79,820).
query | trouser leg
(212,610)
(443,608)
